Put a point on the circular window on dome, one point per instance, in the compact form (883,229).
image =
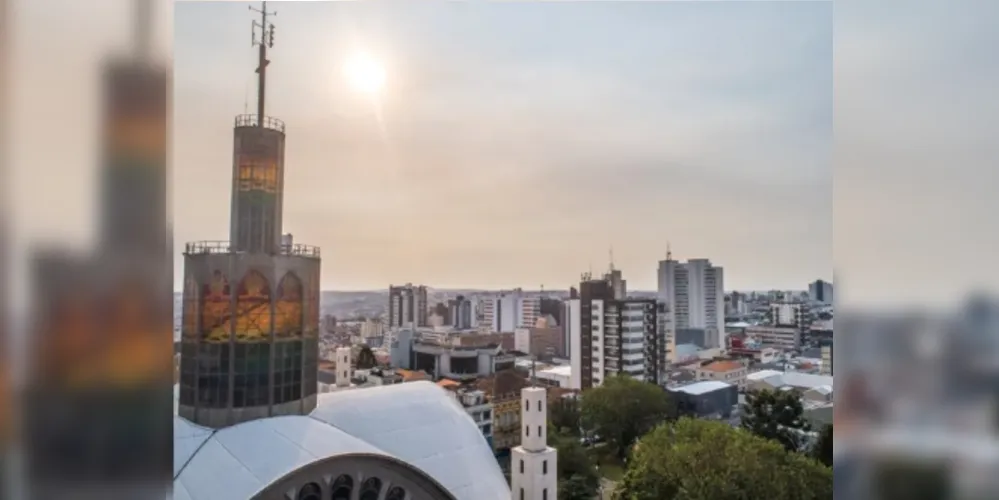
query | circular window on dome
(310,491)
(396,493)
(371,489)
(342,488)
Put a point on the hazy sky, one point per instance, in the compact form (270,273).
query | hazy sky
(515,143)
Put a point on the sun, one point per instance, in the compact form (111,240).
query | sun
(364,73)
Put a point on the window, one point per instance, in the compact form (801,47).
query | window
(522,494)
(521,466)
(527,430)
(539,431)
(544,494)
(544,467)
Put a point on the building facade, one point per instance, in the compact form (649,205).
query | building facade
(407,306)
(510,310)
(821,291)
(609,336)
(695,294)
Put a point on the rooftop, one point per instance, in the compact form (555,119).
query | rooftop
(560,371)
(798,380)
(698,388)
(723,366)
(417,423)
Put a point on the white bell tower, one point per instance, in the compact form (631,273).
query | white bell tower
(343,367)
(533,464)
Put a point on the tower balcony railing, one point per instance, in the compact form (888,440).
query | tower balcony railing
(225,247)
(254,121)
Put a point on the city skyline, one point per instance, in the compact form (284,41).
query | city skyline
(499,141)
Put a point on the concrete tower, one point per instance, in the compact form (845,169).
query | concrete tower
(534,464)
(249,345)
(342,367)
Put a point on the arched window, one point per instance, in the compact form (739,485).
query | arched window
(371,488)
(311,491)
(343,486)
(396,493)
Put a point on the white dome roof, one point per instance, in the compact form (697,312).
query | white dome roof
(415,422)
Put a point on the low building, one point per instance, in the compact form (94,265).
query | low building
(815,386)
(707,399)
(780,337)
(458,363)
(555,376)
(540,341)
(731,372)
(475,402)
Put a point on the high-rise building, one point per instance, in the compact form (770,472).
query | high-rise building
(534,464)
(821,291)
(461,313)
(510,310)
(251,305)
(609,336)
(695,294)
(407,306)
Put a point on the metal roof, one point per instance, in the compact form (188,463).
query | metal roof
(799,380)
(416,422)
(698,388)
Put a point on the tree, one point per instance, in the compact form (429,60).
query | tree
(822,450)
(564,415)
(706,460)
(622,409)
(776,415)
(366,359)
(578,478)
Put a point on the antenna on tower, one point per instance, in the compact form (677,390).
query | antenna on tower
(669,253)
(534,374)
(266,41)
(611,253)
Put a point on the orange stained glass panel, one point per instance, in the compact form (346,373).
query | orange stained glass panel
(215,309)
(253,308)
(288,307)
(189,325)
(258,174)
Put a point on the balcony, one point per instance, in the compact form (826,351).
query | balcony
(254,121)
(225,247)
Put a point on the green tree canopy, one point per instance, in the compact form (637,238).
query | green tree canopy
(564,415)
(622,409)
(705,460)
(578,478)
(366,359)
(776,415)
(822,450)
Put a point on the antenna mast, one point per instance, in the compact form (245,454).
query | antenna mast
(611,253)
(265,41)
(669,253)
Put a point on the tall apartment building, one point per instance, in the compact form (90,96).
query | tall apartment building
(821,291)
(695,294)
(609,336)
(407,306)
(461,313)
(510,310)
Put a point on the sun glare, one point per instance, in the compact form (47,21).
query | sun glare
(364,73)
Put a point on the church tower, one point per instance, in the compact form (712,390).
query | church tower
(534,464)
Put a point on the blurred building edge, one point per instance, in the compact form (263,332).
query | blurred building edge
(98,398)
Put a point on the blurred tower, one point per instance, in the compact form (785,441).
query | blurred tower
(249,340)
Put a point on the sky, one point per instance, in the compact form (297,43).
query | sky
(517,144)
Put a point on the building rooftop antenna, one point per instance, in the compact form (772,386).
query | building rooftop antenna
(669,253)
(534,373)
(265,42)
(611,254)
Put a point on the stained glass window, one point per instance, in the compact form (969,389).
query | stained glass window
(288,307)
(253,308)
(215,309)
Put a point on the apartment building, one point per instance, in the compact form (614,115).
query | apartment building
(694,291)
(608,336)
(508,311)
(730,372)
(407,306)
